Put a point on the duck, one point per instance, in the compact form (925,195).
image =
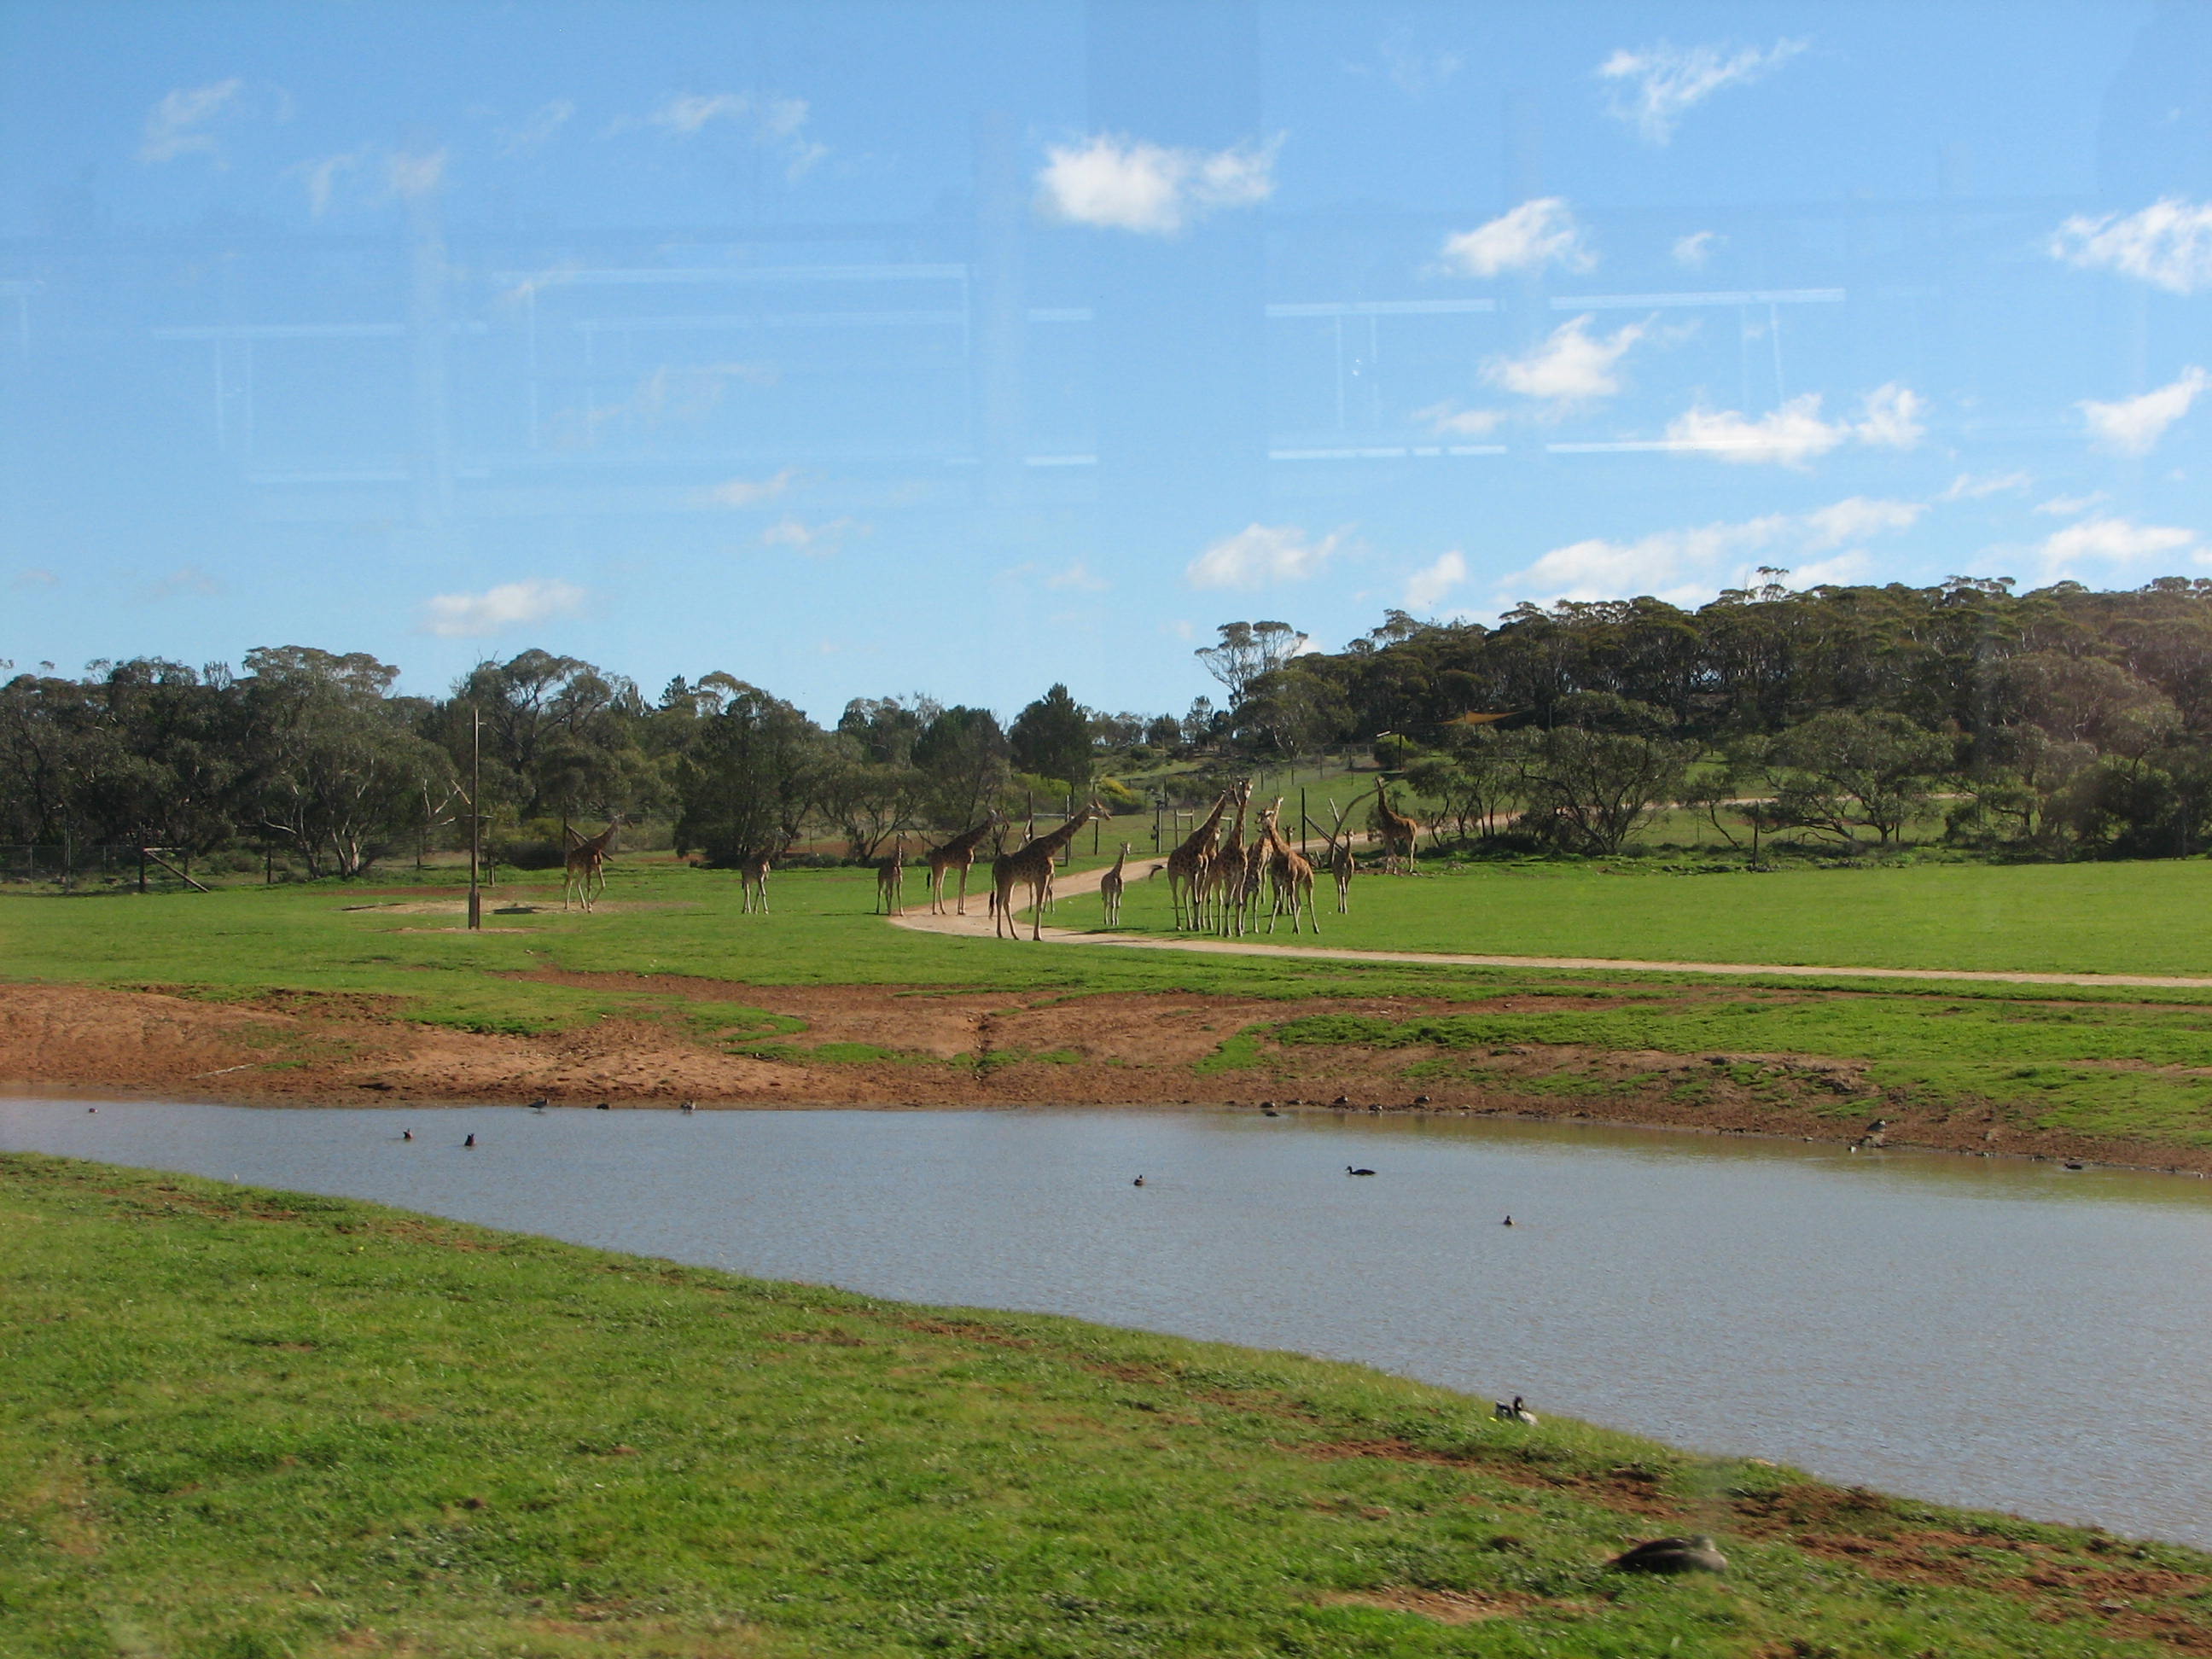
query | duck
(407,1135)
(539,1104)
(1694,1554)
(1508,1221)
(1139,1181)
(1512,1411)
(1348,1170)
(470,1141)
(689,1106)
(607,1106)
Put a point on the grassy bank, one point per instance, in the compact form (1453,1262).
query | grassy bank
(245,1424)
(2125,1065)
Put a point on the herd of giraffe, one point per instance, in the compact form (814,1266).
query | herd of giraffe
(1217,881)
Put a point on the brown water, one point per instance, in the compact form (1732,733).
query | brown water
(1987,1332)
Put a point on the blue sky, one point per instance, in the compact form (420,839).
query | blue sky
(858,349)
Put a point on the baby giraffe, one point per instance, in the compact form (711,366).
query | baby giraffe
(891,879)
(1109,888)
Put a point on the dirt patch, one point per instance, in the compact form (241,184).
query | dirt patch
(915,1046)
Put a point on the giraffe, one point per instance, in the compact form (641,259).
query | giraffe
(1110,885)
(1030,866)
(1398,832)
(891,879)
(752,878)
(1255,872)
(1186,864)
(1343,864)
(1225,872)
(958,853)
(584,870)
(1293,873)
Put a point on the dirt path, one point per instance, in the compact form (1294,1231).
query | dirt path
(977,925)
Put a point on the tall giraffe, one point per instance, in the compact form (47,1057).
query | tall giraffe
(957,854)
(1030,866)
(1293,873)
(1225,872)
(1343,864)
(1399,833)
(1110,885)
(753,878)
(1186,864)
(891,879)
(584,870)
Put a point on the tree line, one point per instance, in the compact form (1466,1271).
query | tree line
(309,753)
(2064,722)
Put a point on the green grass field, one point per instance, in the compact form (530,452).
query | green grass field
(2122,917)
(241,1425)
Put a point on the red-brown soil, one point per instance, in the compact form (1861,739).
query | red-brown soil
(954,1048)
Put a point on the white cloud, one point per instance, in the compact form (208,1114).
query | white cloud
(774,123)
(188,582)
(816,541)
(33,579)
(2133,426)
(320,177)
(1973,487)
(178,125)
(537,131)
(2065,506)
(1446,420)
(1078,577)
(1416,73)
(2167,244)
(1695,249)
(410,176)
(1572,366)
(1788,436)
(1536,233)
(1655,87)
(1892,420)
(1259,555)
(751,492)
(1432,581)
(1688,566)
(2112,541)
(510,604)
(1796,432)
(1125,184)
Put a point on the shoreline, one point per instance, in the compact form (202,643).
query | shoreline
(973,1050)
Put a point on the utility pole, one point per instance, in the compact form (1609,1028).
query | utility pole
(475,818)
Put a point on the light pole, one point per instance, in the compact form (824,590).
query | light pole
(475,818)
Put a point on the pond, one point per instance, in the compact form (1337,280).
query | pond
(1988,1332)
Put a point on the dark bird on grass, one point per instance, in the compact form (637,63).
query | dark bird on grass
(470,1141)
(1139,1181)
(1348,1170)
(2077,1166)
(1420,1100)
(1341,1100)
(1697,1554)
(1512,1411)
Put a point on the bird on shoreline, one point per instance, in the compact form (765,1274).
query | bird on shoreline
(1348,1170)
(1512,1411)
(539,1104)
(689,1106)
(1694,1554)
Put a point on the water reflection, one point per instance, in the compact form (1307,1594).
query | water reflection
(1981,1331)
